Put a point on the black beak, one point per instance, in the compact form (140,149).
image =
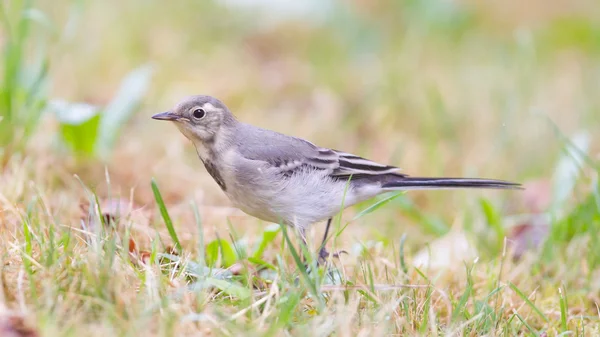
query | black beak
(166,116)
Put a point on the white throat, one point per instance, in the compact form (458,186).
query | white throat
(202,150)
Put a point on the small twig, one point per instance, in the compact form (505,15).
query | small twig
(254,305)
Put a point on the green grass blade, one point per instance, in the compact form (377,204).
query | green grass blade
(532,331)
(312,286)
(425,322)
(461,307)
(201,253)
(563,309)
(377,205)
(529,303)
(493,219)
(402,259)
(165,215)
(261,263)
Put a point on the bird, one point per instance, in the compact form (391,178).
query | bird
(288,180)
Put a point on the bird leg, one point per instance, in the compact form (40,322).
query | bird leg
(323,253)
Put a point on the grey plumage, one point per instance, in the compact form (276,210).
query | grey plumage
(289,180)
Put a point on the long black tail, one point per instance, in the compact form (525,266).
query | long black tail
(417,183)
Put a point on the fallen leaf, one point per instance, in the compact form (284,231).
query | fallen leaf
(145,257)
(530,234)
(132,246)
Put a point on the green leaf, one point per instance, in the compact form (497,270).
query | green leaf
(78,125)
(81,138)
(269,234)
(261,263)
(120,109)
(493,219)
(230,288)
(222,248)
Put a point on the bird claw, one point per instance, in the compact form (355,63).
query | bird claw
(324,254)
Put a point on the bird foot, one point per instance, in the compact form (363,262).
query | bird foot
(324,254)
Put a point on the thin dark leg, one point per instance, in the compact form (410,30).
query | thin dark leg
(323,253)
(326,233)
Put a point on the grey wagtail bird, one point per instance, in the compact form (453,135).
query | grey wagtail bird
(288,180)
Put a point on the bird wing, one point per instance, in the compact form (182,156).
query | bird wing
(350,164)
(290,154)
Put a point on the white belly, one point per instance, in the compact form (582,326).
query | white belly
(298,200)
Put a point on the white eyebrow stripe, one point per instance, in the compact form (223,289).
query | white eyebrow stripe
(209,107)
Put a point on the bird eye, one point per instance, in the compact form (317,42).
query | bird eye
(198,113)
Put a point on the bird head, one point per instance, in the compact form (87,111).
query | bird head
(199,117)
